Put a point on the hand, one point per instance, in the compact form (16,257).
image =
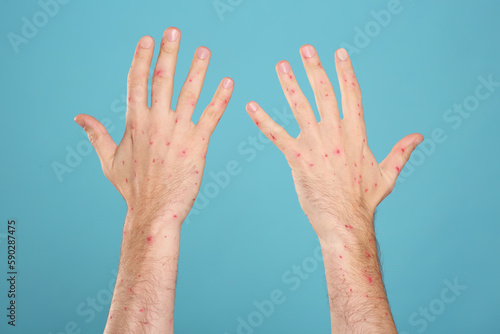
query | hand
(159,163)
(334,171)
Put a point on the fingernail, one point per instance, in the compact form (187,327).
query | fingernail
(227,83)
(146,42)
(252,106)
(342,54)
(284,67)
(202,52)
(308,51)
(79,122)
(172,34)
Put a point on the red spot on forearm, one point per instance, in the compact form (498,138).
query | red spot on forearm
(123,162)
(272,136)
(398,169)
(326,155)
(154,160)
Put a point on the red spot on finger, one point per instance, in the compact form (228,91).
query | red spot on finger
(175,216)
(123,162)
(272,136)
(126,180)
(326,155)
(154,160)
(337,151)
(403,150)
(398,169)
(291,76)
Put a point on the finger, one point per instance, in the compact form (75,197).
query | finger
(212,114)
(103,144)
(138,75)
(321,85)
(352,108)
(190,92)
(298,103)
(163,76)
(273,131)
(397,158)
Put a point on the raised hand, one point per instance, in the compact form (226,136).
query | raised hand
(158,169)
(339,184)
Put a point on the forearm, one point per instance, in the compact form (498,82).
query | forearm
(143,299)
(358,302)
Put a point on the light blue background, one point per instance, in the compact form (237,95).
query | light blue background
(441,223)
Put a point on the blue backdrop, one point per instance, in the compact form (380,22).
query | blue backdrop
(429,67)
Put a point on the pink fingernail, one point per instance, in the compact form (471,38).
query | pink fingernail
(227,83)
(284,67)
(342,54)
(252,106)
(308,51)
(203,52)
(172,34)
(146,42)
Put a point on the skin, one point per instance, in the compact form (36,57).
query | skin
(339,185)
(158,169)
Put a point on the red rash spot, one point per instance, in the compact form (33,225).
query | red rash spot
(363,156)
(126,180)
(146,323)
(132,209)
(375,184)
(132,127)
(326,95)
(168,143)
(366,190)
(130,289)
(386,314)
(196,171)
(291,77)
(372,163)
(370,279)
(154,160)
(367,296)
(190,80)
(176,121)
(308,123)
(355,165)
(111,317)
(256,123)
(345,80)
(364,140)
(364,319)
(345,246)
(175,216)
(123,162)
(340,268)
(326,155)
(140,310)
(295,103)
(139,275)
(272,136)
(162,161)
(162,44)
(311,165)
(129,99)
(359,114)
(183,152)
(403,150)
(321,81)
(397,168)
(379,297)
(340,256)
(149,240)
(142,131)
(353,84)
(225,101)
(298,154)
(350,290)
(358,104)
(125,308)
(292,91)
(156,101)
(194,199)
(135,161)
(338,151)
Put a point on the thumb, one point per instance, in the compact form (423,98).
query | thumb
(399,155)
(99,138)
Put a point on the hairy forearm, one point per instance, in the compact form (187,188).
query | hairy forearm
(358,301)
(143,299)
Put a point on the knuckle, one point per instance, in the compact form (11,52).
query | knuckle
(169,49)
(187,94)
(302,106)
